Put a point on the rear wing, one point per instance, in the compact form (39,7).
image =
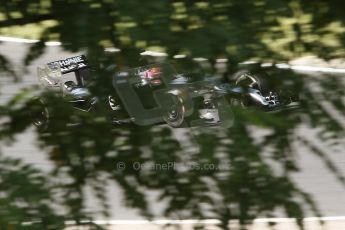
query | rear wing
(69,65)
(50,75)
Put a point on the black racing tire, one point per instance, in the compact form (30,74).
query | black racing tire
(174,115)
(248,79)
(39,114)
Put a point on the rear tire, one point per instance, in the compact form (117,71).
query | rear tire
(174,115)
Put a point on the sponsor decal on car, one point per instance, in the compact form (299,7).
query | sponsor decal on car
(70,64)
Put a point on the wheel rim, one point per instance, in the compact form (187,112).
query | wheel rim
(172,115)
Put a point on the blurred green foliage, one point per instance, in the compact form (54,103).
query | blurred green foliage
(239,30)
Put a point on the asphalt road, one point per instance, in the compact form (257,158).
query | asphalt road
(314,176)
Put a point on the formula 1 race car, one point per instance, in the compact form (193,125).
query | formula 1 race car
(156,94)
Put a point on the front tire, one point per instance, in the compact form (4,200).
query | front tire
(39,114)
(247,79)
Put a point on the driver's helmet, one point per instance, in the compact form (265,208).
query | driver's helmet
(153,72)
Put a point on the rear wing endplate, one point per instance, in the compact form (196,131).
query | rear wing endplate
(71,64)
